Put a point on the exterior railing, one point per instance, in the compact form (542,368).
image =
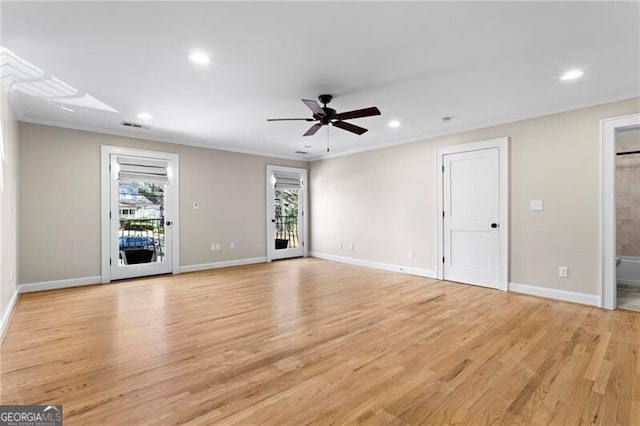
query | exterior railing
(287,235)
(138,233)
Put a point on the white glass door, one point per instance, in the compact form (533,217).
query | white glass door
(285,212)
(287,222)
(140,217)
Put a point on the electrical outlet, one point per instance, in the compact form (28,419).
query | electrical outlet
(563,271)
(340,246)
(350,246)
(232,245)
(411,254)
(196,205)
(213,246)
(217,246)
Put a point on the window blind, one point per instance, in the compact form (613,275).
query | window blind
(142,169)
(285,180)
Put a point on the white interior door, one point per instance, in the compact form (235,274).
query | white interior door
(286,224)
(142,208)
(471,217)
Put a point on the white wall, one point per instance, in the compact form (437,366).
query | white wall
(60,202)
(384,201)
(8,202)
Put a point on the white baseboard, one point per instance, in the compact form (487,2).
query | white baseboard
(552,293)
(57,284)
(372,264)
(222,264)
(6,315)
(76,282)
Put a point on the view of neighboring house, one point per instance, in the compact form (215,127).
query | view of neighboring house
(140,201)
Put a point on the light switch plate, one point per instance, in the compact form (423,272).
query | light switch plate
(536,205)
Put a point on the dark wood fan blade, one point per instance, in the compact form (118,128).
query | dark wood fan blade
(290,119)
(313,129)
(314,106)
(349,127)
(358,113)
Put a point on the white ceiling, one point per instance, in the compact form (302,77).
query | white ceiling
(482,63)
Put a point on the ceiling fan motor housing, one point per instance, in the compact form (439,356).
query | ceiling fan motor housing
(329,113)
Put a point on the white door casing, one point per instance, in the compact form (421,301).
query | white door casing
(301,249)
(111,268)
(473,221)
(608,130)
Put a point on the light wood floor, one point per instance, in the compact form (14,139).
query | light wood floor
(309,341)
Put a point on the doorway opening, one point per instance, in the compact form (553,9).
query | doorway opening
(620,212)
(628,218)
(139,217)
(473,213)
(286,206)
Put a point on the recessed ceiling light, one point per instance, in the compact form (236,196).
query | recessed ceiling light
(394,124)
(307,146)
(572,75)
(144,116)
(446,119)
(199,57)
(65,109)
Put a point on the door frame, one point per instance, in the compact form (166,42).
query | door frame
(105,206)
(607,250)
(503,182)
(269,191)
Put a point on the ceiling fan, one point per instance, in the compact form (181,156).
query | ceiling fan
(325,116)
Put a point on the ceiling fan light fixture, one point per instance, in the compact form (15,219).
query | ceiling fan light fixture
(144,116)
(394,124)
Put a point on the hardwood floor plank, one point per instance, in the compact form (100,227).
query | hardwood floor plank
(307,341)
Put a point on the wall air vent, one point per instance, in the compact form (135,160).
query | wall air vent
(302,152)
(134,125)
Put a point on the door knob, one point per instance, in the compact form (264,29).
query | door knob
(494,225)
(273,220)
(168,223)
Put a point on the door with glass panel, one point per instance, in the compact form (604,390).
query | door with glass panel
(140,217)
(285,213)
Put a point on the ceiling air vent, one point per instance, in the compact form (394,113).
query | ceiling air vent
(134,125)
(302,152)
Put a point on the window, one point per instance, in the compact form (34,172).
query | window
(127,212)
